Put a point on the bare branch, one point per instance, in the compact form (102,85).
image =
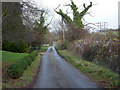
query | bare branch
(89,13)
(57,8)
(67,5)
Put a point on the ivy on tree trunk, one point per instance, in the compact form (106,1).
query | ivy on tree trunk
(77,16)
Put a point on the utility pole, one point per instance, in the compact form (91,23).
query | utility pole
(102,25)
(105,24)
(63,30)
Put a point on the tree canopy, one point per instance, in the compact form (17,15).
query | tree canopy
(23,26)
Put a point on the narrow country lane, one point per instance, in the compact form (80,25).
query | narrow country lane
(55,72)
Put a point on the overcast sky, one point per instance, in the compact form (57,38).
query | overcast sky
(102,11)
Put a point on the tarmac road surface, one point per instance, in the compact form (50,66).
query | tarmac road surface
(55,72)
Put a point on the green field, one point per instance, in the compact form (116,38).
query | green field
(12,57)
(107,78)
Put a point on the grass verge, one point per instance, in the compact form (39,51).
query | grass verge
(26,79)
(104,76)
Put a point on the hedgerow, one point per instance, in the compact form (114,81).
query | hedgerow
(16,70)
(99,48)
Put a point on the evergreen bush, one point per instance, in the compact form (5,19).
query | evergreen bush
(15,47)
(16,70)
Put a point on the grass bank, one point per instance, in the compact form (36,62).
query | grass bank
(26,79)
(104,76)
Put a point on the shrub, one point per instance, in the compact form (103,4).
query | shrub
(108,53)
(103,51)
(43,49)
(15,47)
(22,47)
(86,50)
(16,70)
(89,52)
(30,49)
(9,46)
(64,45)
